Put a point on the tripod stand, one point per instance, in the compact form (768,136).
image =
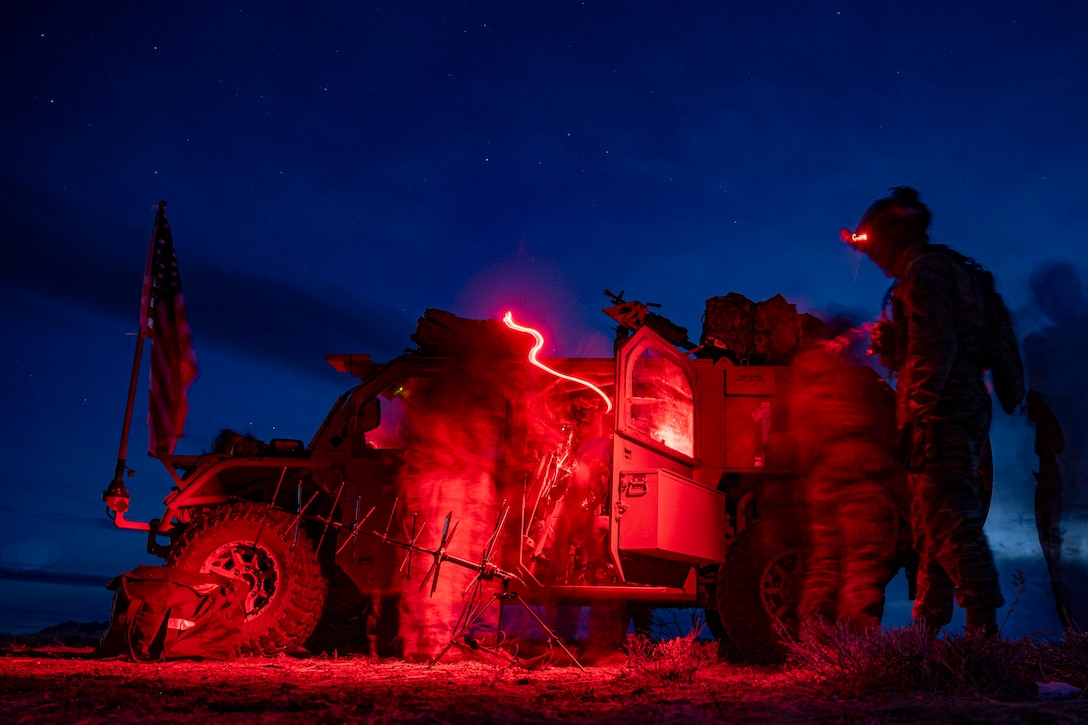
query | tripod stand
(502,597)
(487,571)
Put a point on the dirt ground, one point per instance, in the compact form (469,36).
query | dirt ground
(65,684)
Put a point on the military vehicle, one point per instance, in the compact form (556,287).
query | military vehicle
(660,477)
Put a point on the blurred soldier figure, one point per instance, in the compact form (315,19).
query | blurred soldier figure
(937,343)
(446,474)
(1057,404)
(851,497)
(1049,445)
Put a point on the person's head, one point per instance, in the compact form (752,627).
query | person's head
(889,227)
(1057,289)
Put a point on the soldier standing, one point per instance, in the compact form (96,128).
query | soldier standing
(1057,407)
(936,342)
(851,509)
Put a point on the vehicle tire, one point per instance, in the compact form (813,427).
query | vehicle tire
(759,586)
(258,545)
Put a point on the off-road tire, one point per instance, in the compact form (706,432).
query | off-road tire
(759,586)
(258,545)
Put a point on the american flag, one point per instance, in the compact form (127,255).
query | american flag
(173,362)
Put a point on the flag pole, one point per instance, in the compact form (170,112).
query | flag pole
(116,495)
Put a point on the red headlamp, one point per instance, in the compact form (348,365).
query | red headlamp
(858,241)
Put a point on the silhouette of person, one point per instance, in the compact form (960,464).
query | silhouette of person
(851,496)
(1057,405)
(936,342)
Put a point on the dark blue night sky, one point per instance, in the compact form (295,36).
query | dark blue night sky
(332,169)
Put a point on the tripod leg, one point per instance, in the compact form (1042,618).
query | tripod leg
(472,619)
(552,636)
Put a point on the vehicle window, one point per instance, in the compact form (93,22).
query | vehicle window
(661,403)
(390,433)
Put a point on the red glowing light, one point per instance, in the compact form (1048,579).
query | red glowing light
(852,238)
(508,318)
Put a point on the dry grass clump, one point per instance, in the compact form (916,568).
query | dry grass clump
(671,660)
(1063,660)
(850,664)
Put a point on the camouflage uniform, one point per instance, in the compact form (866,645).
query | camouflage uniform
(937,342)
(844,429)
(943,410)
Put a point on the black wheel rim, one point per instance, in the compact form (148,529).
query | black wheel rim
(250,563)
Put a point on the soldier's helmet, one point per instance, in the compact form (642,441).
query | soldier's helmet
(890,223)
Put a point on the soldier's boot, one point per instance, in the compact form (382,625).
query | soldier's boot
(982,621)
